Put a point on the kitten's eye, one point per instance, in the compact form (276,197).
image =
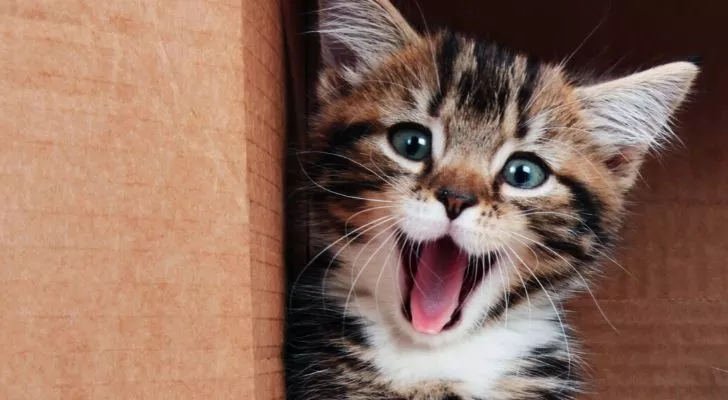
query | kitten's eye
(525,171)
(411,141)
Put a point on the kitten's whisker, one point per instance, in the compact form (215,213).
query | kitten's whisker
(473,271)
(341,194)
(350,160)
(505,289)
(534,212)
(600,252)
(553,304)
(637,171)
(428,32)
(366,263)
(615,262)
(570,265)
(401,237)
(725,371)
(386,83)
(481,264)
(398,187)
(352,216)
(396,221)
(586,39)
(314,258)
(574,150)
(397,236)
(381,222)
(520,277)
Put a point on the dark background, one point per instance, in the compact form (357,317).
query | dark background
(667,336)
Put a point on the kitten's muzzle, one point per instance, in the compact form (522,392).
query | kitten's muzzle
(455,202)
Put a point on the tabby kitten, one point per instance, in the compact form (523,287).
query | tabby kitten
(462,193)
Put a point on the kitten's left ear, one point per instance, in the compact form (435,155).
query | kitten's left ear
(360,33)
(631,115)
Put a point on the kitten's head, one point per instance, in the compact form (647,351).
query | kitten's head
(459,181)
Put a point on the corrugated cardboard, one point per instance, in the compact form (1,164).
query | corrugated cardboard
(141,191)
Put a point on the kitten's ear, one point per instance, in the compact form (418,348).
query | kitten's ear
(360,33)
(631,115)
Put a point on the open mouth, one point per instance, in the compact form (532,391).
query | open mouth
(439,277)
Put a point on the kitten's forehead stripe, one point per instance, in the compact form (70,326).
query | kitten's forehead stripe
(525,93)
(485,89)
(530,80)
(446,58)
(494,64)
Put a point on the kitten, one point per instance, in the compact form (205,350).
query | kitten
(462,193)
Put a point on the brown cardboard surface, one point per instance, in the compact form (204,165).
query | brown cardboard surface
(141,191)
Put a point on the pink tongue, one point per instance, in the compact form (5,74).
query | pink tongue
(437,284)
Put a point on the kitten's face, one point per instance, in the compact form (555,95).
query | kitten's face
(466,180)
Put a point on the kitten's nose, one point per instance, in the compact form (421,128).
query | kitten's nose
(455,201)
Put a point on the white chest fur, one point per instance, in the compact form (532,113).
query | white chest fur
(477,364)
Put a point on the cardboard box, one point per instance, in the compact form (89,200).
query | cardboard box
(142,180)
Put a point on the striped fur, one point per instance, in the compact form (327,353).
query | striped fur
(347,337)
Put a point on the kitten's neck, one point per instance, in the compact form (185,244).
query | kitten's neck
(483,364)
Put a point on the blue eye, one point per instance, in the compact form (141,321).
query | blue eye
(525,171)
(411,141)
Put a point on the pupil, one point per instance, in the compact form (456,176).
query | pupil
(413,145)
(522,173)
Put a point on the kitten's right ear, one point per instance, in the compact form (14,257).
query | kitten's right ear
(360,33)
(631,115)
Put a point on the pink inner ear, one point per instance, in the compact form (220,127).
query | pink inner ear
(625,159)
(616,162)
